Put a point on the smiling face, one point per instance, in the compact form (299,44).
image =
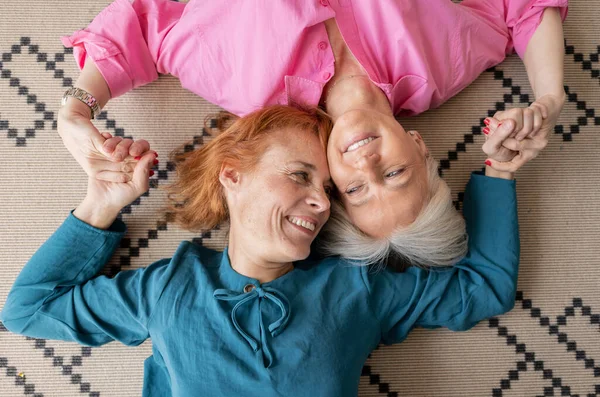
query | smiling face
(379,169)
(278,208)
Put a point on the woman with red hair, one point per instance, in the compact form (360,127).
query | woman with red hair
(257,319)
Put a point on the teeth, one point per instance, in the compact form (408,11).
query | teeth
(358,144)
(303,223)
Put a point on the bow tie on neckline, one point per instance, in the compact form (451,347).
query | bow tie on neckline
(275,328)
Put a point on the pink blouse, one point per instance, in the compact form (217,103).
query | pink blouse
(244,55)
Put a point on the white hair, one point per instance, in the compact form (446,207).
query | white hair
(436,238)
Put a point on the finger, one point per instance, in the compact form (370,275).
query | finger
(527,124)
(492,124)
(538,119)
(122,150)
(137,158)
(525,144)
(114,176)
(142,172)
(508,166)
(494,141)
(106,135)
(543,109)
(105,164)
(541,114)
(110,145)
(139,147)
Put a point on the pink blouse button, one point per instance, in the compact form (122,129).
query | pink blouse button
(324,3)
(322,45)
(326,76)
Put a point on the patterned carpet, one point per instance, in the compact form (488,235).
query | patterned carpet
(549,345)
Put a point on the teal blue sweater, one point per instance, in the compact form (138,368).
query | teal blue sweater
(307,333)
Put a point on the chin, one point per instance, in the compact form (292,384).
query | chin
(298,253)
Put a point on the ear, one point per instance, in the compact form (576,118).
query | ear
(419,141)
(229,177)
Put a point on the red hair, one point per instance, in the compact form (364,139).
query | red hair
(196,199)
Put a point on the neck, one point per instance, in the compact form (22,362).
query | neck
(350,88)
(247,262)
(352,92)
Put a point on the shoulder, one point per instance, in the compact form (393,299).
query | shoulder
(188,252)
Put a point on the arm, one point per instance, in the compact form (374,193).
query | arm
(117,52)
(544,57)
(56,295)
(481,285)
(544,62)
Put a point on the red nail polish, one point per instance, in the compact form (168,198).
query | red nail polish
(151,172)
(499,124)
(486,130)
(155,162)
(137,157)
(155,154)
(486,121)
(488,162)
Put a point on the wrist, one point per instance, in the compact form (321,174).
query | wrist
(489,171)
(557,99)
(74,107)
(95,214)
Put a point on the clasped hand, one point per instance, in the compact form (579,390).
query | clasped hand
(516,136)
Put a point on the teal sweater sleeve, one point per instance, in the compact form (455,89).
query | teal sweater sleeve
(481,285)
(56,295)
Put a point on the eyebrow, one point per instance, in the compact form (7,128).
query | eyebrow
(306,165)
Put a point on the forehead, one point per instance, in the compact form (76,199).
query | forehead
(293,145)
(293,140)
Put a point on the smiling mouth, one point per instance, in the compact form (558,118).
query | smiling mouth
(309,226)
(360,143)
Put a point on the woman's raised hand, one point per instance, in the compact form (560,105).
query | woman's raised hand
(117,195)
(104,200)
(532,130)
(107,159)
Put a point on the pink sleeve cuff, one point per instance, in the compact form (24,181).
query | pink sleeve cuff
(530,19)
(116,43)
(106,57)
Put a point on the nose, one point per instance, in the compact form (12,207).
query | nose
(319,200)
(367,161)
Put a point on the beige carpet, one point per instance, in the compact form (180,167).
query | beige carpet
(549,345)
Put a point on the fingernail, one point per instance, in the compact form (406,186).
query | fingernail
(488,162)
(137,158)
(155,154)
(151,172)
(499,124)
(155,162)
(486,121)
(486,130)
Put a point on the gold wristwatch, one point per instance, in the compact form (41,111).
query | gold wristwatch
(84,97)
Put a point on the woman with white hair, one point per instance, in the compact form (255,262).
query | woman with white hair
(363,62)
(257,319)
